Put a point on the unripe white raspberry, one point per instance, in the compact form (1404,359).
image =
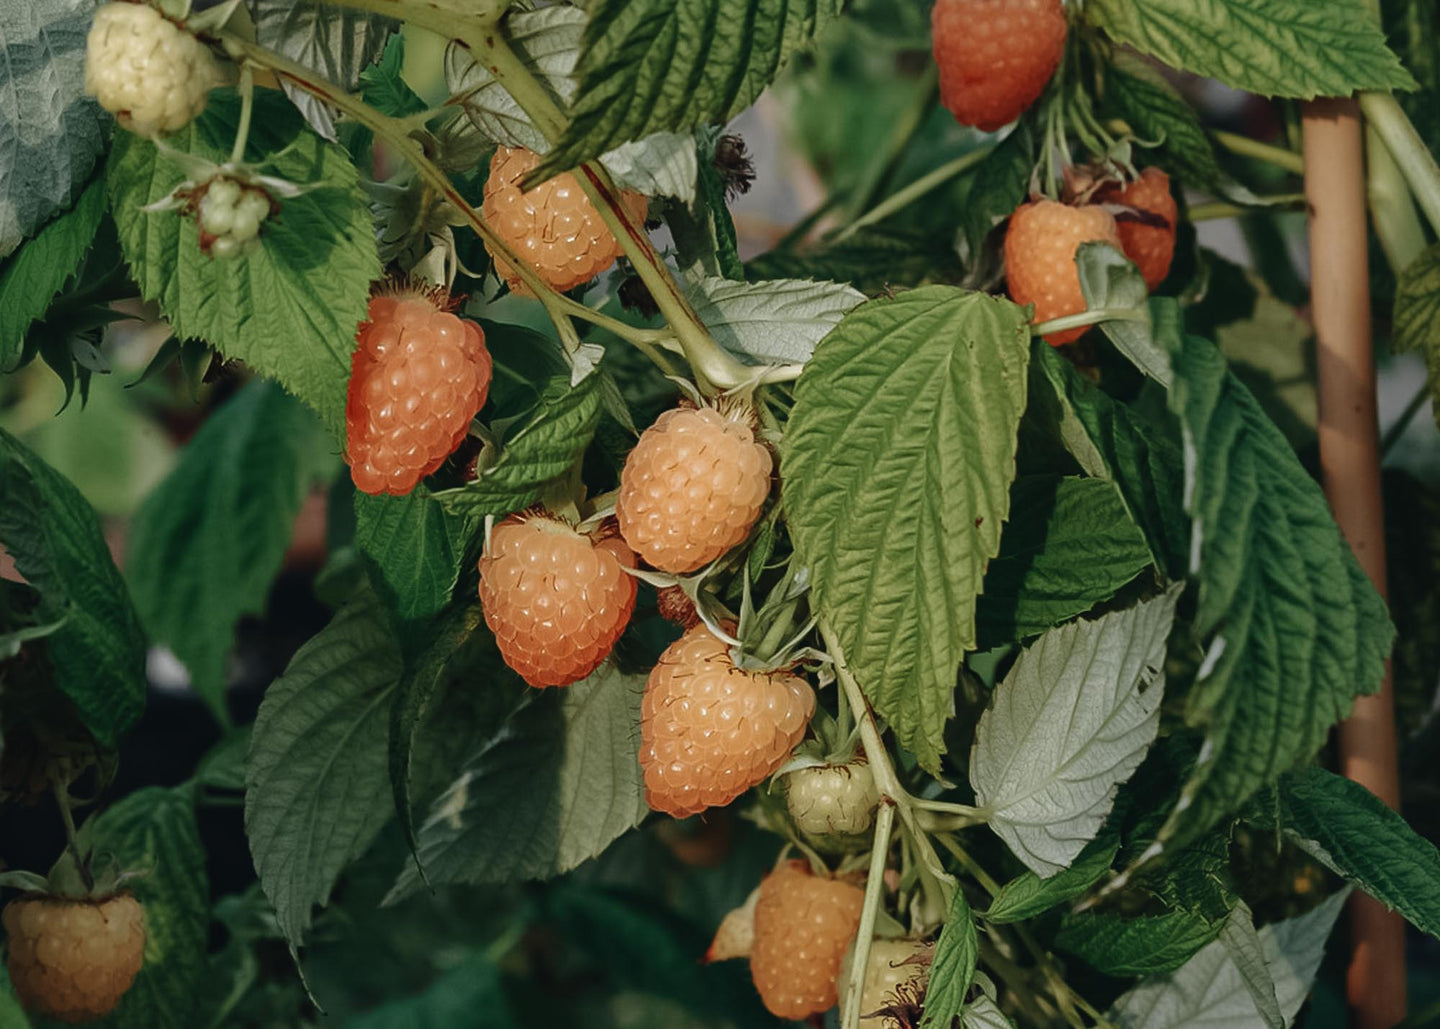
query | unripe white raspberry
(147,71)
(229,214)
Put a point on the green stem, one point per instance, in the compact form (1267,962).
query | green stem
(874,888)
(1247,147)
(907,195)
(1095,317)
(444,21)
(883,165)
(1217,209)
(1416,162)
(1392,208)
(1396,431)
(247,108)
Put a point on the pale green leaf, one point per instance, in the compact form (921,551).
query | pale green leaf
(1241,941)
(1069,723)
(984,1013)
(98,653)
(416,547)
(953,968)
(658,66)
(223,516)
(911,405)
(50,132)
(1208,992)
(779,321)
(316,779)
(290,308)
(1290,48)
(550,789)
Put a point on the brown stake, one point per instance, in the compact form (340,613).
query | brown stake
(1350,461)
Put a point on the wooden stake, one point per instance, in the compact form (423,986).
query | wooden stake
(1350,461)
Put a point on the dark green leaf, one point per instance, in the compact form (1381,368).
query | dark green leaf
(953,968)
(316,780)
(1131,947)
(999,184)
(871,260)
(1417,315)
(384,87)
(1028,895)
(910,405)
(208,542)
(468,996)
(416,546)
(57,544)
(654,65)
(1158,115)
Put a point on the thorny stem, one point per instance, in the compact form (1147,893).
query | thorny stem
(1289,160)
(874,887)
(907,195)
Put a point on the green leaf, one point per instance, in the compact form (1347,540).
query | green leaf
(316,780)
(1069,545)
(544,448)
(416,546)
(1070,722)
(656,66)
(468,996)
(984,1013)
(155,829)
(55,539)
(1292,628)
(32,277)
(1111,282)
(208,542)
(1349,829)
(1112,441)
(289,310)
(1242,942)
(1028,895)
(1131,947)
(871,260)
(12,1015)
(1157,114)
(383,84)
(1209,989)
(953,968)
(1290,48)
(1417,315)
(50,131)
(999,184)
(912,406)
(550,789)
(774,322)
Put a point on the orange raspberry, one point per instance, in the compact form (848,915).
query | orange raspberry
(692,488)
(553,227)
(1040,246)
(556,599)
(73,959)
(417,377)
(1151,247)
(803,925)
(709,730)
(995,56)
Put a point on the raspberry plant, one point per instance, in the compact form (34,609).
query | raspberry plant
(938,601)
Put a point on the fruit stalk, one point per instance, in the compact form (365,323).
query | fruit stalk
(1349,458)
(874,884)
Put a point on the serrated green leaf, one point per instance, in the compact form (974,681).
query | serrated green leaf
(1110,282)
(1349,829)
(1112,441)
(416,546)
(561,776)
(1028,895)
(1207,992)
(773,322)
(984,1013)
(1290,48)
(911,406)
(1292,628)
(31,277)
(383,84)
(468,996)
(207,543)
(316,779)
(1069,723)
(1242,943)
(1132,947)
(1417,315)
(1069,545)
(338,43)
(289,309)
(1158,115)
(999,184)
(545,447)
(155,829)
(871,260)
(55,539)
(953,968)
(657,66)
(50,132)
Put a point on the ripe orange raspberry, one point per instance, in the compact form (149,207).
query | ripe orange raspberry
(554,227)
(556,599)
(417,377)
(709,730)
(73,959)
(693,487)
(803,924)
(1040,246)
(995,56)
(1151,247)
